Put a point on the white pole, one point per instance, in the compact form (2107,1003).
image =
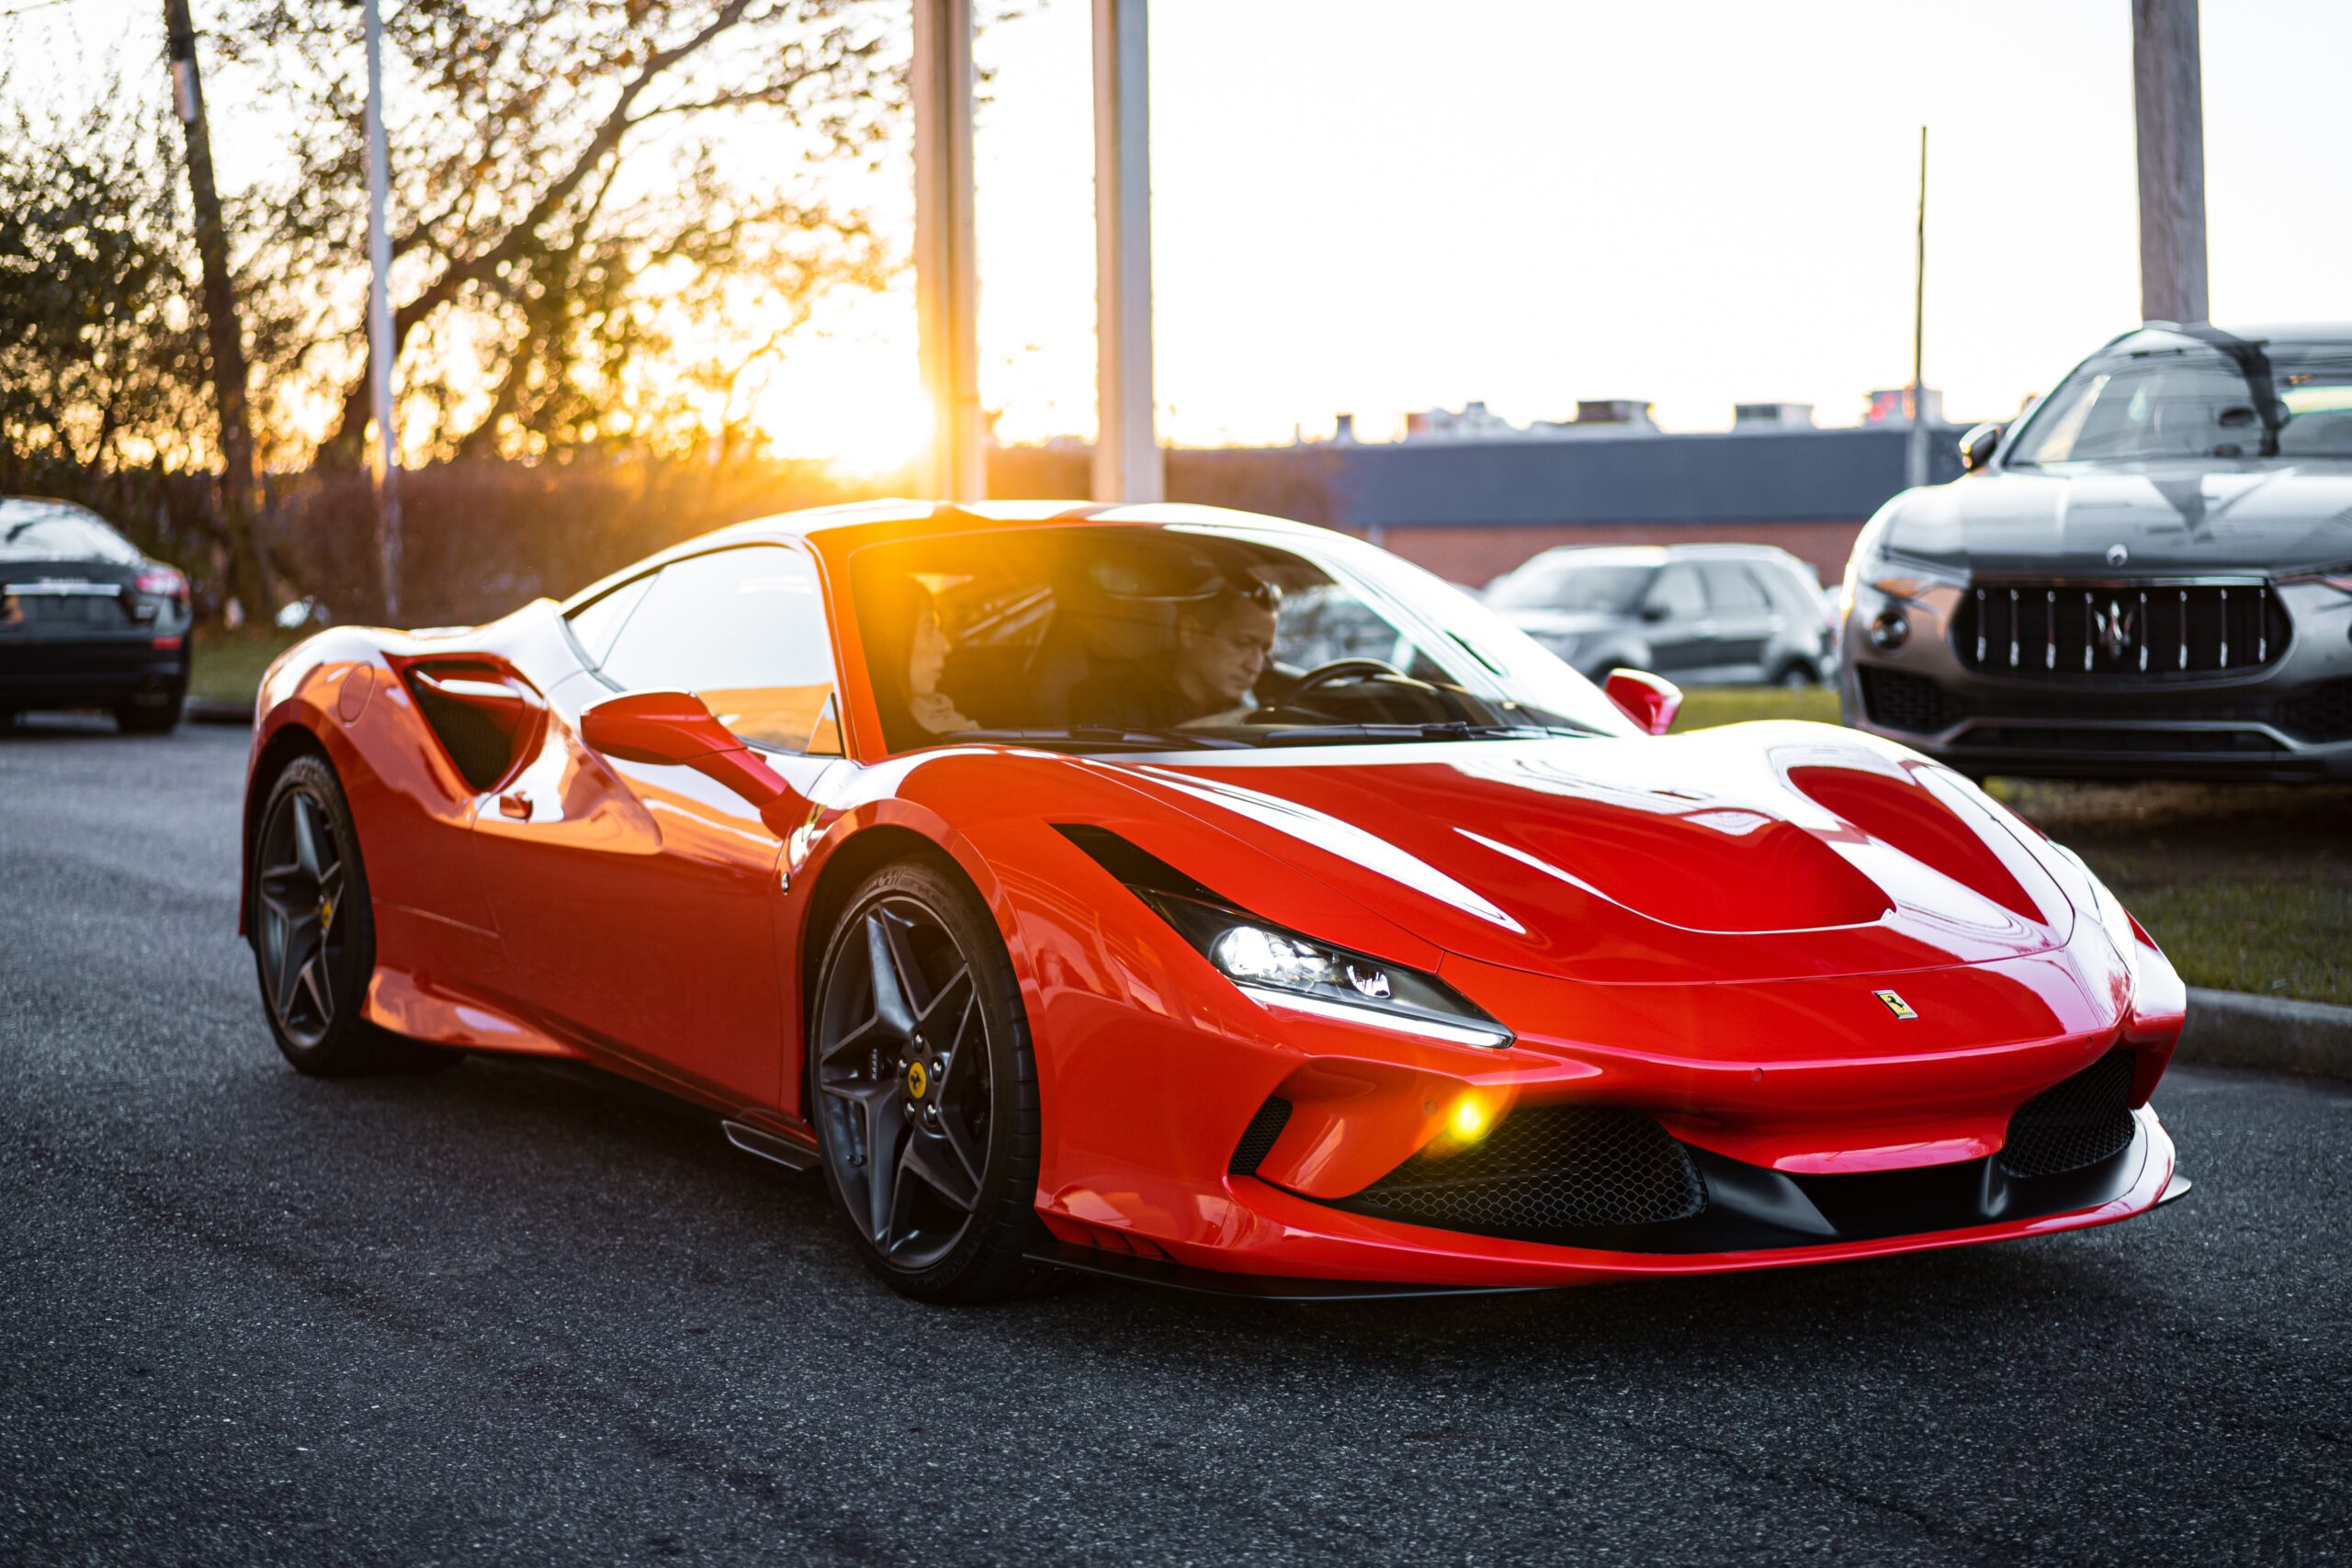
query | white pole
(380,347)
(1127,463)
(1916,456)
(946,271)
(2169,100)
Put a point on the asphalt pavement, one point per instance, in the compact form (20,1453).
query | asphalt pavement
(501,1314)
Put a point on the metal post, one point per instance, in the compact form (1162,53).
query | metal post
(2169,94)
(1915,467)
(946,275)
(380,345)
(1127,464)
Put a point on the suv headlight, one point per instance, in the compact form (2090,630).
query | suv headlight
(1279,968)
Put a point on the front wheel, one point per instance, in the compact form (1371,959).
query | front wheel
(923,1090)
(313,932)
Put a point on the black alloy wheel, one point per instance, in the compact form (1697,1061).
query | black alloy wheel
(923,1090)
(313,932)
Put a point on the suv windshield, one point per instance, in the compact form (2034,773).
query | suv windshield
(1124,638)
(1567,582)
(2228,399)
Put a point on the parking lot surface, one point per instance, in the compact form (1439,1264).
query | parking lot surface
(503,1314)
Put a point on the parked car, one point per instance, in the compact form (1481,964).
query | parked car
(1192,897)
(88,620)
(2150,575)
(1703,615)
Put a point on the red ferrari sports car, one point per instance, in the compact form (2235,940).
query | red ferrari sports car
(1198,897)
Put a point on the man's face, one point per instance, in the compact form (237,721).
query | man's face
(1226,661)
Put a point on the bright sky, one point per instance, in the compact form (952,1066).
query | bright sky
(1379,206)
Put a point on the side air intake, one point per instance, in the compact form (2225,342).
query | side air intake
(1545,1168)
(2077,1123)
(1257,1138)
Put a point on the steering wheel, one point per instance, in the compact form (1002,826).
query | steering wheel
(1342,670)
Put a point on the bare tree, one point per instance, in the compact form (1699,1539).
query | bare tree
(589,196)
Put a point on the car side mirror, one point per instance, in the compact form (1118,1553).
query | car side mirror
(1976,447)
(655,726)
(678,728)
(1654,611)
(1650,701)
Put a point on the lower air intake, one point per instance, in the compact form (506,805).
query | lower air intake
(2076,1124)
(1257,1138)
(1545,1168)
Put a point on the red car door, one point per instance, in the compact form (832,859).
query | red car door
(640,901)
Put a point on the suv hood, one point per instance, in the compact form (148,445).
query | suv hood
(2174,519)
(1751,853)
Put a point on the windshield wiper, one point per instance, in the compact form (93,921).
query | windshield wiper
(1346,734)
(1094,736)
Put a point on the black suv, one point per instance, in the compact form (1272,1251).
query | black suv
(88,620)
(2150,575)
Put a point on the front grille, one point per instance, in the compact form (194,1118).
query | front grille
(2078,1123)
(1257,1138)
(1545,1168)
(2060,631)
(2319,712)
(1913,703)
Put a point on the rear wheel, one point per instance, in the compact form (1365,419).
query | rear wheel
(313,932)
(923,1090)
(1796,673)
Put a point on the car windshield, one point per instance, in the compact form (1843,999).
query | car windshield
(1567,583)
(55,533)
(2224,400)
(1112,638)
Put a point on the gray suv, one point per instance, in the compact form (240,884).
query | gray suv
(1701,615)
(2150,575)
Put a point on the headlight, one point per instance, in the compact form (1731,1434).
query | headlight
(1277,967)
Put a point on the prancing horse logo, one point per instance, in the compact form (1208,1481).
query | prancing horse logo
(2114,624)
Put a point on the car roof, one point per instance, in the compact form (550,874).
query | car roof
(844,527)
(2274,331)
(1658,555)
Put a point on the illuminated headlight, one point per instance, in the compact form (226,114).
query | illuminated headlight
(1282,969)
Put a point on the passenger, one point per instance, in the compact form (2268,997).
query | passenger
(1222,645)
(909,611)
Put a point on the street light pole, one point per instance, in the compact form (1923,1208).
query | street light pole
(1915,467)
(2168,99)
(946,270)
(1127,463)
(380,345)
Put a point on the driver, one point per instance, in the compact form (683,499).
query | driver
(1222,645)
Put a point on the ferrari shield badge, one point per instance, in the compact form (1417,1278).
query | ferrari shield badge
(1897,1005)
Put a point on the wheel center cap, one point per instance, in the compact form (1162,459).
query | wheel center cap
(326,913)
(918,1080)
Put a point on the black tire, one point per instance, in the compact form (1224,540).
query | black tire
(135,718)
(1796,674)
(897,1077)
(310,911)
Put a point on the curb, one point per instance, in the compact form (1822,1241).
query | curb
(2235,1029)
(201,710)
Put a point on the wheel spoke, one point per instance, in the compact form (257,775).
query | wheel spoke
(313,976)
(859,1039)
(883,945)
(301,943)
(946,999)
(956,1133)
(885,1130)
(306,836)
(953,1076)
(929,1161)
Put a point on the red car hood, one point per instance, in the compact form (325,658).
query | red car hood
(1755,852)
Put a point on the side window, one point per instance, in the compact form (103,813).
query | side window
(1676,588)
(596,625)
(1731,589)
(744,631)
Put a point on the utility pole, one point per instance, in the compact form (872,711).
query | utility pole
(1127,463)
(946,271)
(1915,467)
(2167,92)
(381,346)
(223,333)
